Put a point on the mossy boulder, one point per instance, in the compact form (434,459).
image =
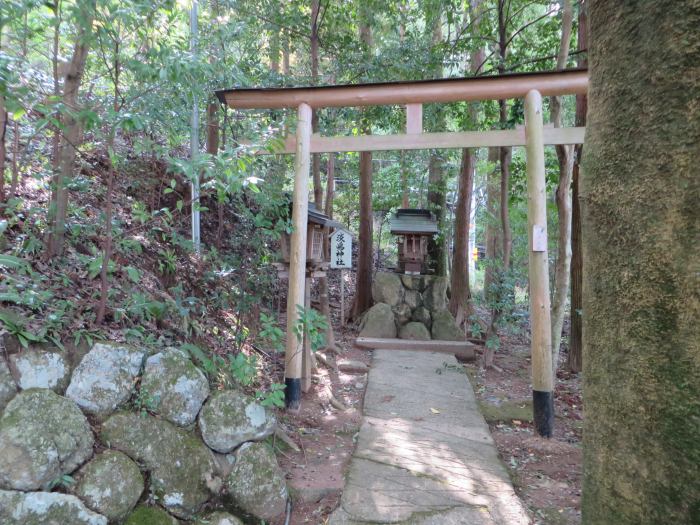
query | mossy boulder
(181,466)
(256,484)
(422,315)
(8,387)
(110,484)
(42,437)
(435,296)
(175,385)
(402,313)
(45,508)
(230,418)
(104,379)
(144,515)
(219,518)
(387,288)
(379,321)
(39,369)
(445,327)
(413,299)
(414,330)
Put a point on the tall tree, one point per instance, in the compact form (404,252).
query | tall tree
(437,179)
(71,137)
(363,286)
(574,357)
(565,155)
(459,277)
(641,294)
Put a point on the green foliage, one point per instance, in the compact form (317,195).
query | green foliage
(15,326)
(314,325)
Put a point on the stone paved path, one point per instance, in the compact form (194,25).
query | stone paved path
(424,454)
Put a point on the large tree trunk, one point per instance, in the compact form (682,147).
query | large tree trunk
(72,131)
(459,278)
(363,286)
(563,200)
(574,361)
(437,179)
(363,291)
(641,335)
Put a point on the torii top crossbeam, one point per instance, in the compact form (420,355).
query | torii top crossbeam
(515,85)
(530,86)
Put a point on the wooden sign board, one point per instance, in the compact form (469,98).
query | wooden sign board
(341,249)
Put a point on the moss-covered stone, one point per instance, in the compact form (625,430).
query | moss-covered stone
(219,518)
(402,313)
(110,484)
(435,296)
(387,288)
(414,330)
(230,418)
(8,387)
(42,436)
(104,379)
(445,328)
(45,508)
(379,321)
(144,515)
(181,466)
(422,315)
(39,369)
(256,483)
(506,411)
(175,385)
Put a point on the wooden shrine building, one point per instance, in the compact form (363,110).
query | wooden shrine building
(414,228)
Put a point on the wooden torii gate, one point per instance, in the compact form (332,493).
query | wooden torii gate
(530,86)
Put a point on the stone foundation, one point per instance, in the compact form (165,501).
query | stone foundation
(410,307)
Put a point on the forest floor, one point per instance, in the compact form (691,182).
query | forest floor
(546,473)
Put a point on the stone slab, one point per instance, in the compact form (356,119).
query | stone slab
(424,453)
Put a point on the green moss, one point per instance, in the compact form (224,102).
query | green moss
(143,515)
(507,411)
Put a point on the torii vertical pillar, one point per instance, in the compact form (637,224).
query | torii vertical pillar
(297,259)
(538,269)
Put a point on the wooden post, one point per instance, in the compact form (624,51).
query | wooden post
(306,360)
(540,327)
(297,259)
(414,118)
(342,297)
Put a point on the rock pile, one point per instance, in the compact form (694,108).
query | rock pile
(166,448)
(410,307)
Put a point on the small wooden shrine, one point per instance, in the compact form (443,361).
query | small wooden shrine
(414,227)
(315,223)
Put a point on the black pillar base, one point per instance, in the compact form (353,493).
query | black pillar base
(543,408)
(292,393)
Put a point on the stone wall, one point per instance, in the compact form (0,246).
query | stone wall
(130,436)
(410,307)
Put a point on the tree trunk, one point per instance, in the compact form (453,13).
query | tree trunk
(504,157)
(363,286)
(315,158)
(563,200)
(437,180)
(72,131)
(574,358)
(461,294)
(493,246)
(363,291)
(641,294)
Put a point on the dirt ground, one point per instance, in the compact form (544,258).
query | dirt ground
(546,473)
(325,436)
